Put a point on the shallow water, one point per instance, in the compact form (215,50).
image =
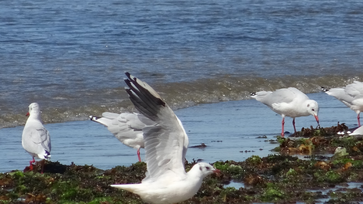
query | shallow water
(340,188)
(70,56)
(229,129)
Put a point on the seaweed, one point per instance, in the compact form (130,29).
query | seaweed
(279,178)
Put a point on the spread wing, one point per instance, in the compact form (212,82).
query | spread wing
(126,127)
(166,142)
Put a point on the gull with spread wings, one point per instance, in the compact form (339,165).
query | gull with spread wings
(165,147)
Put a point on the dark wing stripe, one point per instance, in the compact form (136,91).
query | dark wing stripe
(145,94)
(141,106)
(144,101)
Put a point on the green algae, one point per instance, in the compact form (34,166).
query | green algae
(277,178)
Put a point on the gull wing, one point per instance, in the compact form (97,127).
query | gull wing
(341,95)
(354,89)
(37,140)
(126,127)
(285,95)
(166,142)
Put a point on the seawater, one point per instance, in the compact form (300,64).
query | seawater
(70,56)
(231,130)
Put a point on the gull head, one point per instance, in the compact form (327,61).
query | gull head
(312,108)
(33,109)
(203,169)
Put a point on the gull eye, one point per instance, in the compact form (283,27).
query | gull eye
(207,168)
(313,109)
(200,168)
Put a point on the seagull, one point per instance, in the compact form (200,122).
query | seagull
(289,102)
(126,127)
(35,138)
(165,146)
(351,95)
(358,131)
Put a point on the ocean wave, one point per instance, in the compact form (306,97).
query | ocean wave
(178,95)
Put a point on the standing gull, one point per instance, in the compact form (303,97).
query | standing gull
(35,138)
(289,102)
(351,96)
(165,147)
(126,127)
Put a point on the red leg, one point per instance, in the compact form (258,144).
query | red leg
(138,154)
(31,164)
(283,124)
(42,166)
(293,123)
(358,120)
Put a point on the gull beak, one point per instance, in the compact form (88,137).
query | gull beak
(27,114)
(317,119)
(217,172)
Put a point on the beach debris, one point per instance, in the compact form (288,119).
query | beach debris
(202,145)
(323,165)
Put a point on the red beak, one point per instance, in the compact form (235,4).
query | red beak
(217,172)
(27,114)
(316,118)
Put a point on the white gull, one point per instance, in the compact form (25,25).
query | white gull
(351,96)
(289,102)
(358,131)
(126,127)
(35,138)
(165,147)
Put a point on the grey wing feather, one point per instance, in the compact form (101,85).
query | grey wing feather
(40,137)
(46,141)
(126,127)
(354,89)
(166,141)
(278,96)
(342,95)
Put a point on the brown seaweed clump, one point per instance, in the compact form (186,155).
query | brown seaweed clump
(320,131)
(277,178)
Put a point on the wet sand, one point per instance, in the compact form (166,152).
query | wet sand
(231,131)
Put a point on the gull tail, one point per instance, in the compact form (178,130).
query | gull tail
(94,118)
(134,188)
(103,121)
(324,89)
(46,155)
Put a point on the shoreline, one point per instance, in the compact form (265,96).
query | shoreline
(238,125)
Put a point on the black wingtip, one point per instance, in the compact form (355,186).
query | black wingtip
(128,82)
(128,75)
(47,155)
(324,89)
(253,93)
(93,118)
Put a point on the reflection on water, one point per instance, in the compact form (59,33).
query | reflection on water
(235,185)
(326,192)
